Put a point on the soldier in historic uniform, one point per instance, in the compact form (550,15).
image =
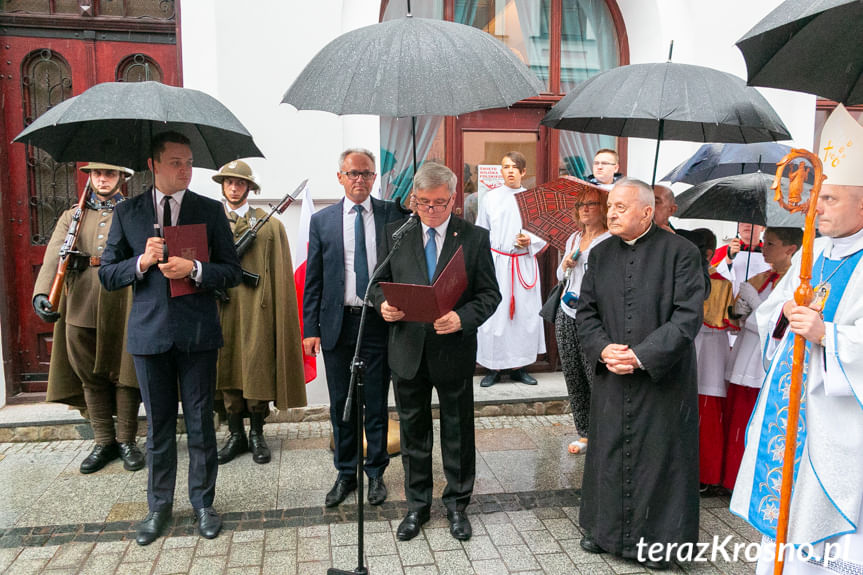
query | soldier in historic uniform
(89,368)
(262,357)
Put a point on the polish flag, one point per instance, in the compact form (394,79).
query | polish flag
(301,254)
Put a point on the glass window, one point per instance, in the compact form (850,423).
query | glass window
(70,7)
(523,25)
(138,68)
(31,6)
(46,82)
(396,157)
(158,9)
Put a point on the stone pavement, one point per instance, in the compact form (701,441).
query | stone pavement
(55,520)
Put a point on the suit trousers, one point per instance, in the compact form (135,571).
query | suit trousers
(375,386)
(161,377)
(457,438)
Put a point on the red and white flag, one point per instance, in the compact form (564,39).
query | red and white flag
(301,254)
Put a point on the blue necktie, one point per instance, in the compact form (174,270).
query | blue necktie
(431,253)
(361,262)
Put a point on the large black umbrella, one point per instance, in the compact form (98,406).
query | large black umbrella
(115,121)
(668,101)
(412,67)
(742,198)
(713,161)
(812,46)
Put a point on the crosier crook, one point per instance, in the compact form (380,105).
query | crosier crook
(802,297)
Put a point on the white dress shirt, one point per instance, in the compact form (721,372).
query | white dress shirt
(349,217)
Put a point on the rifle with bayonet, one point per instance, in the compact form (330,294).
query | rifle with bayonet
(67,249)
(244,243)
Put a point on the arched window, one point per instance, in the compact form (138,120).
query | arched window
(138,68)
(46,80)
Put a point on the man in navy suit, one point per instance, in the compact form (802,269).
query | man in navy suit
(439,355)
(343,240)
(174,341)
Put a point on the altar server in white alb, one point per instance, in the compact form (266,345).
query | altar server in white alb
(827,501)
(513,336)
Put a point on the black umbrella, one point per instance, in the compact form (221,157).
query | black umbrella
(115,121)
(668,101)
(812,46)
(713,161)
(412,67)
(743,198)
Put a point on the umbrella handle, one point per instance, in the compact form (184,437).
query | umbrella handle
(802,296)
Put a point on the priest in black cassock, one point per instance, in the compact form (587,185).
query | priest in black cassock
(639,310)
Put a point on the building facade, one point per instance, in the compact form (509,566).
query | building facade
(248,54)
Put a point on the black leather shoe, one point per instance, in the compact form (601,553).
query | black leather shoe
(490,379)
(257,443)
(152,527)
(340,491)
(522,376)
(657,565)
(209,522)
(590,546)
(133,459)
(459,525)
(237,441)
(101,456)
(258,447)
(410,525)
(377,490)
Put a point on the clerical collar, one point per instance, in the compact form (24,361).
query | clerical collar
(241,211)
(632,242)
(842,247)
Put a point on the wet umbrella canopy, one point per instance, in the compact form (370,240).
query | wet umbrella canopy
(744,198)
(668,101)
(115,121)
(713,161)
(412,67)
(812,46)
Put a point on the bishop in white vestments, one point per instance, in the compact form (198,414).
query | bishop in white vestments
(827,501)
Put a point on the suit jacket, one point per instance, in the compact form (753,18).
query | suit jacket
(450,356)
(157,321)
(324,294)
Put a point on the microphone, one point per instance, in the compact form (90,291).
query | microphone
(409,224)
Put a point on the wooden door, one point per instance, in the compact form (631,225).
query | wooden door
(46,60)
(483,138)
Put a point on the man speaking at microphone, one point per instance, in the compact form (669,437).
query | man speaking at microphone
(439,355)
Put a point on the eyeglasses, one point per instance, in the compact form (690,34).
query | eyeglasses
(354,175)
(432,207)
(604,163)
(580,205)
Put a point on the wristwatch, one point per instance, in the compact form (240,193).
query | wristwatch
(194,273)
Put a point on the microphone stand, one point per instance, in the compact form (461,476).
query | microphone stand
(356,391)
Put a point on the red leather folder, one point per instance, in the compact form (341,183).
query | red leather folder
(190,242)
(425,303)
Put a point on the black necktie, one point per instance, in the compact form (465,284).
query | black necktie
(166,215)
